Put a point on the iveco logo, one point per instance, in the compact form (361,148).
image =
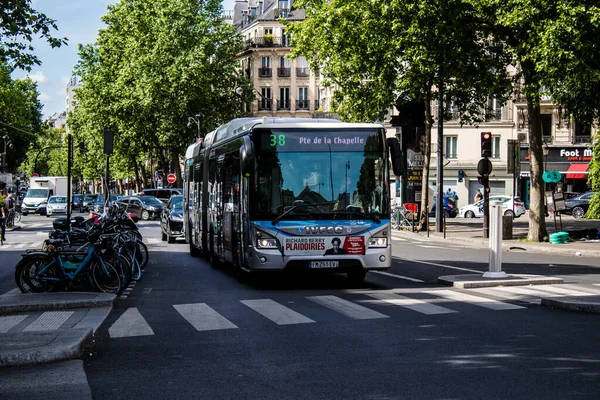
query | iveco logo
(322,230)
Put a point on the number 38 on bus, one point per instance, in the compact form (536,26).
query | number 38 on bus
(272,194)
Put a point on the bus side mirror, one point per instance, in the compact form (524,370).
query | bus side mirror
(247,156)
(398,166)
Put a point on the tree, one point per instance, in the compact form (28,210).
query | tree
(378,52)
(20,115)
(554,44)
(157,63)
(19,23)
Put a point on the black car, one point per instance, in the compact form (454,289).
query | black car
(171,219)
(144,207)
(163,194)
(578,205)
(77,203)
(450,208)
(98,204)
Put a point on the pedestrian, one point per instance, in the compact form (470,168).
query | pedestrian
(478,195)
(3,214)
(449,192)
(454,196)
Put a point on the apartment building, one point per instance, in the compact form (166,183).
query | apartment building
(284,87)
(566,149)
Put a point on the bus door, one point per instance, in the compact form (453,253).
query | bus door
(231,206)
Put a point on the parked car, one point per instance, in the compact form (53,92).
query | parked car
(171,219)
(98,205)
(88,201)
(56,205)
(450,208)
(162,194)
(77,202)
(144,207)
(476,209)
(578,205)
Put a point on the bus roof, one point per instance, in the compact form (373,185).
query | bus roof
(238,125)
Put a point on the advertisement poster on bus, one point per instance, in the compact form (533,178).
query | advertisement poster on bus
(325,246)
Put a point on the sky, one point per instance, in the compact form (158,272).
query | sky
(78,21)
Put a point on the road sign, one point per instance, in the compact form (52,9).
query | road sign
(551,176)
(484,167)
(35,175)
(171,178)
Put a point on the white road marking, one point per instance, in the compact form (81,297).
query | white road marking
(153,240)
(203,318)
(131,323)
(20,245)
(566,292)
(398,276)
(501,292)
(437,247)
(442,265)
(475,300)
(417,305)
(347,308)
(10,321)
(276,312)
(49,321)
(14,291)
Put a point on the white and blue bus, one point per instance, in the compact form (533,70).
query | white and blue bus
(272,194)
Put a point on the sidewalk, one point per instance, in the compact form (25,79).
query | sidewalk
(468,233)
(51,329)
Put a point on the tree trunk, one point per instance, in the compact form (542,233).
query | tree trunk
(537,221)
(137,173)
(176,168)
(426,161)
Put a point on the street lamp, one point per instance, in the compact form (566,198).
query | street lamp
(9,143)
(197,120)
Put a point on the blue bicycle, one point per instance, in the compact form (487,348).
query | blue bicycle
(40,272)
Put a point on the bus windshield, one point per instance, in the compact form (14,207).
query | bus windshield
(320,174)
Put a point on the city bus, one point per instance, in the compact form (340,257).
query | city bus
(273,194)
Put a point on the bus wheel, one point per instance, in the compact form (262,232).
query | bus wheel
(356,277)
(194,252)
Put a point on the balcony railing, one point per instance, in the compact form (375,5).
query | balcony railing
(283,104)
(264,104)
(493,115)
(582,139)
(302,72)
(317,104)
(302,104)
(265,72)
(267,42)
(283,72)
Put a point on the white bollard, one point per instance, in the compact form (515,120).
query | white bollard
(495,242)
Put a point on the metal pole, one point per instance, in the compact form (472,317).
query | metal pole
(106,184)
(495,264)
(69,173)
(439,208)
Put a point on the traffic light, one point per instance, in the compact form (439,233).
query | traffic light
(486,144)
(484,181)
(461,175)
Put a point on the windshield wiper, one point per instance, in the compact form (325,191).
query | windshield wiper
(297,206)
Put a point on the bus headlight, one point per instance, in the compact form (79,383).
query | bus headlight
(379,239)
(265,241)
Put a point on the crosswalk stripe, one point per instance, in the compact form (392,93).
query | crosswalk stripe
(475,300)
(417,305)
(593,291)
(13,291)
(35,245)
(346,307)
(535,292)
(563,291)
(500,292)
(131,323)
(276,312)
(10,321)
(153,240)
(48,321)
(20,245)
(203,318)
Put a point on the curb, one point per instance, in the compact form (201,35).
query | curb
(573,305)
(53,346)
(470,242)
(477,281)
(18,303)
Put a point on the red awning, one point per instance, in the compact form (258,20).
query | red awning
(577,171)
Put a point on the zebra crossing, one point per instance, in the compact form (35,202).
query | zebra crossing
(354,304)
(364,305)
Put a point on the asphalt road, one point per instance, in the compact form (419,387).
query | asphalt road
(188,331)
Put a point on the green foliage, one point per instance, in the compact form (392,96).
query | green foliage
(20,116)
(19,24)
(157,63)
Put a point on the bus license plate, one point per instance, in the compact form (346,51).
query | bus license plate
(324,264)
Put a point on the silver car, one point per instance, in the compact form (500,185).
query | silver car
(56,205)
